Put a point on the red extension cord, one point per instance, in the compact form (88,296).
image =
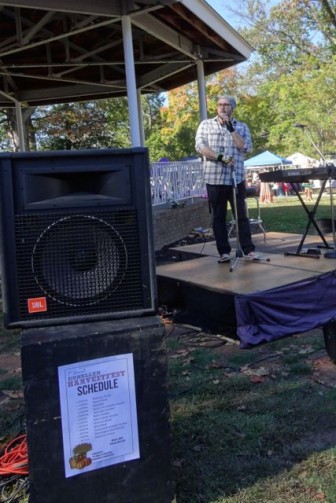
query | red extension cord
(15,457)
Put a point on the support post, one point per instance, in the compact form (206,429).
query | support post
(131,81)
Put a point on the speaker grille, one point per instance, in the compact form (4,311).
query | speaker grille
(81,262)
(75,271)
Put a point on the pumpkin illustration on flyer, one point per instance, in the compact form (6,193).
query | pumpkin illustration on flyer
(98,413)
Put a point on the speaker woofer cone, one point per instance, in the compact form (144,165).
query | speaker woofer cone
(79,260)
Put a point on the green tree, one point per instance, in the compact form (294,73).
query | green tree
(94,124)
(81,125)
(9,139)
(5,140)
(293,72)
(303,97)
(175,136)
(288,32)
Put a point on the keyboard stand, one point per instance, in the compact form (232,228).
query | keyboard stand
(311,220)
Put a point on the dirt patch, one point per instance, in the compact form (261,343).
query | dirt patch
(10,364)
(324,371)
(11,389)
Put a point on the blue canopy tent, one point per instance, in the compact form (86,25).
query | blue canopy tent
(266,160)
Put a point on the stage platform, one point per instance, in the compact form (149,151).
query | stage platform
(257,301)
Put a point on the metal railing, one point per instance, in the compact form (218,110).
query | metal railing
(172,182)
(176,181)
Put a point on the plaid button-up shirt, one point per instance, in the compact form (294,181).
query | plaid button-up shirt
(211,133)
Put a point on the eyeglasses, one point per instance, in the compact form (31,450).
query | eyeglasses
(223,104)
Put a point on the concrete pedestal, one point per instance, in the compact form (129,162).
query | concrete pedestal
(143,480)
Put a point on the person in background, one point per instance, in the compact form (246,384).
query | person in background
(280,191)
(223,142)
(266,193)
(308,190)
(286,188)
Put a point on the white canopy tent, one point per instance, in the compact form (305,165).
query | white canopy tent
(302,161)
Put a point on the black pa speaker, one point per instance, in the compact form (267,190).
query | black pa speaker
(76,236)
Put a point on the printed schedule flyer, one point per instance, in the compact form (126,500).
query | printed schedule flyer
(98,409)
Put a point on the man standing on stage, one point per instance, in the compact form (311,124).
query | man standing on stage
(223,141)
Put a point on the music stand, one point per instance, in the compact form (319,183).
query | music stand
(239,251)
(331,254)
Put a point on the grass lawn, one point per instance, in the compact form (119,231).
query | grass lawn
(286,214)
(253,426)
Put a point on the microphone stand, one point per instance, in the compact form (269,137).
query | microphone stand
(331,254)
(239,251)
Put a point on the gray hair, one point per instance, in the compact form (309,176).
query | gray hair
(230,99)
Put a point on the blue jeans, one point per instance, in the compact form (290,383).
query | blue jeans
(219,196)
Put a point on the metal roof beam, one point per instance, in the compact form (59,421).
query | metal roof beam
(162,32)
(165,70)
(61,92)
(54,78)
(97,8)
(32,32)
(58,37)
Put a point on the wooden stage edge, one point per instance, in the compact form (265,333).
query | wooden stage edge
(205,291)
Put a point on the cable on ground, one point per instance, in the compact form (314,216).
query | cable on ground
(14,459)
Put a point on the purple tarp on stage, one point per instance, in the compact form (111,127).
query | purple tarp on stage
(287,310)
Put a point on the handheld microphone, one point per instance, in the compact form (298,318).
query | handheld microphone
(229,126)
(227,121)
